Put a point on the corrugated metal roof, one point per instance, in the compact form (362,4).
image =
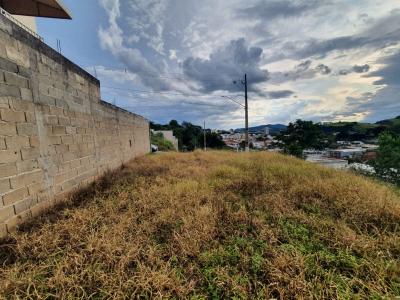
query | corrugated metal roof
(36,8)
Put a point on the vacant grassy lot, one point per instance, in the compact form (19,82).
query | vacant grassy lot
(213,225)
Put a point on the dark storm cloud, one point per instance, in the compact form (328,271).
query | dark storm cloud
(280,94)
(323,69)
(389,74)
(355,69)
(304,70)
(226,65)
(361,69)
(268,10)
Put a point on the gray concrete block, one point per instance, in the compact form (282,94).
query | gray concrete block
(7,65)
(14,79)
(9,90)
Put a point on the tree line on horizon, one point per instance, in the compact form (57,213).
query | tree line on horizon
(190,137)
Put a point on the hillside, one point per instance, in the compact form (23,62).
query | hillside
(212,225)
(361,131)
(273,128)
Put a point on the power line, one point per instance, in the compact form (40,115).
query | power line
(141,73)
(157,92)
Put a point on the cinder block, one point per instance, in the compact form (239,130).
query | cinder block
(56,111)
(58,95)
(26,72)
(9,90)
(9,156)
(27,129)
(8,65)
(69,113)
(27,165)
(25,204)
(80,130)
(67,139)
(26,179)
(17,142)
(4,185)
(60,101)
(22,105)
(44,99)
(4,102)
(43,69)
(51,120)
(30,117)
(18,57)
(70,130)
(26,94)
(9,169)
(35,188)
(8,129)
(59,129)
(9,115)
(14,79)
(30,153)
(34,141)
(6,213)
(64,120)
(60,149)
(15,196)
(3,230)
(54,140)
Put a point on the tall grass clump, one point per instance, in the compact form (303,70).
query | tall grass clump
(212,225)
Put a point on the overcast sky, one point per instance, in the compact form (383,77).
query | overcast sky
(174,59)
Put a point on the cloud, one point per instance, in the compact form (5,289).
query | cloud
(355,69)
(389,73)
(361,69)
(303,70)
(323,69)
(269,10)
(225,65)
(292,50)
(112,37)
(385,102)
(384,32)
(280,94)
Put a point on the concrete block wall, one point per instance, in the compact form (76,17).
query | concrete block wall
(56,135)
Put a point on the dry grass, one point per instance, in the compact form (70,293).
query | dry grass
(212,225)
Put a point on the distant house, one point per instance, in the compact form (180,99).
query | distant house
(346,153)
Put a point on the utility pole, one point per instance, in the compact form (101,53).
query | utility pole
(246,108)
(246,111)
(204,132)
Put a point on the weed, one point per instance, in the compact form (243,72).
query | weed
(212,225)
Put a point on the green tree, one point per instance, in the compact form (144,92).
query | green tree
(387,164)
(163,144)
(190,136)
(302,135)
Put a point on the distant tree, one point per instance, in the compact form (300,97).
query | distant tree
(163,144)
(302,135)
(190,136)
(213,140)
(387,164)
